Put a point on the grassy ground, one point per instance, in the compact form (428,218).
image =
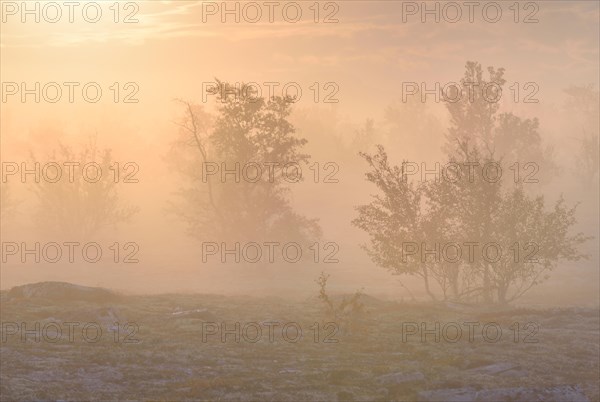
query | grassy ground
(173,350)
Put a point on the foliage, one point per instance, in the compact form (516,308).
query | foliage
(252,132)
(346,311)
(78,206)
(467,209)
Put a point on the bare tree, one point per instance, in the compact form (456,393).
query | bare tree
(81,206)
(7,202)
(583,106)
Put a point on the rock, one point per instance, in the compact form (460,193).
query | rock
(493,369)
(106,317)
(558,393)
(340,377)
(290,371)
(200,314)
(345,396)
(61,292)
(515,373)
(400,378)
(449,395)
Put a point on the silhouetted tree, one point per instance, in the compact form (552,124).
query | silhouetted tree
(583,105)
(468,209)
(411,127)
(365,136)
(7,202)
(249,135)
(476,122)
(81,207)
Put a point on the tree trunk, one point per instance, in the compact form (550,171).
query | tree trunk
(426,279)
(502,290)
(487,291)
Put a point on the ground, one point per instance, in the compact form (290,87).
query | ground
(170,347)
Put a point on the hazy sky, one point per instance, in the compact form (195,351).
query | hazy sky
(368,53)
(169,53)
